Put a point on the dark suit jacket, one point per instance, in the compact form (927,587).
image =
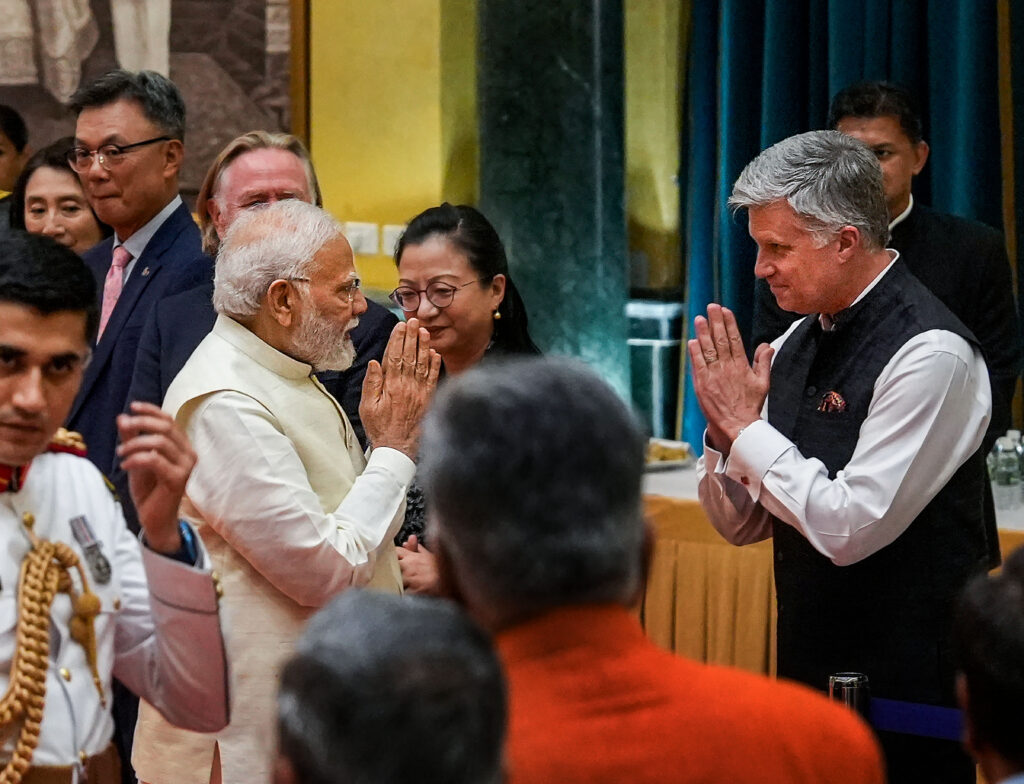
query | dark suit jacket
(179,323)
(964,264)
(172,261)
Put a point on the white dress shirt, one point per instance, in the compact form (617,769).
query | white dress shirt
(928,414)
(136,244)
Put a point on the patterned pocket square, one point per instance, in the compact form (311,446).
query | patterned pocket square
(832,403)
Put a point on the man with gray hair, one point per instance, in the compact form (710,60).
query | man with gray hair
(388,690)
(532,472)
(853,441)
(290,510)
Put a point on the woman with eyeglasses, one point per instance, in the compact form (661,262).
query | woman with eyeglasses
(48,199)
(453,277)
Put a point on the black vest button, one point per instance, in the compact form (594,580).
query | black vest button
(778,556)
(811,391)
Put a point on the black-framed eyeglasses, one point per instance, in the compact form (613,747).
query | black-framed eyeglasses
(438,294)
(348,291)
(109,155)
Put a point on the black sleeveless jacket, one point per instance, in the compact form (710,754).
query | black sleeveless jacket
(888,615)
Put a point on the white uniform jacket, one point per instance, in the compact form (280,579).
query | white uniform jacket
(158,629)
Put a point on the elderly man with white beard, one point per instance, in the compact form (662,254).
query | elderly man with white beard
(289,508)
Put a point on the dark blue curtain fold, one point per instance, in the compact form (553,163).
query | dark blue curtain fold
(762,70)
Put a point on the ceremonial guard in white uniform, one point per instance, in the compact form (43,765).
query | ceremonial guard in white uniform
(81,599)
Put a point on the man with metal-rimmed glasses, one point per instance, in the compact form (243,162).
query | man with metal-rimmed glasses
(129,147)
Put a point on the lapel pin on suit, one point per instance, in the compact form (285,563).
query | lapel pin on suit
(832,403)
(145,272)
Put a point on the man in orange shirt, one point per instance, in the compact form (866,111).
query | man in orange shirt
(532,473)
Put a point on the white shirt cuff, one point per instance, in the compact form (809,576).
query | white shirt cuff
(753,453)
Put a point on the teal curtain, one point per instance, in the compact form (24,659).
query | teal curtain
(760,71)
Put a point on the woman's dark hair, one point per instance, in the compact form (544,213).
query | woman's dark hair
(52,156)
(12,125)
(473,235)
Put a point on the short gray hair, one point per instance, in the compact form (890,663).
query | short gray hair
(385,688)
(532,471)
(266,244)
(831,180)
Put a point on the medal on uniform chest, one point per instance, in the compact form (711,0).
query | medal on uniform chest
(99,566)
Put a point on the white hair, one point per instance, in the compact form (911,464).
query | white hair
(274,242)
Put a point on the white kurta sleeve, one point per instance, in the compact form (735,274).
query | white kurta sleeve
(268,512)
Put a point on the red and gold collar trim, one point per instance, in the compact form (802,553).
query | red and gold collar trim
(12,478)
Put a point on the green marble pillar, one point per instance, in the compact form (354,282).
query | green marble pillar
(550,101)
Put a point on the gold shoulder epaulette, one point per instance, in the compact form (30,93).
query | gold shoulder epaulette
(67,441)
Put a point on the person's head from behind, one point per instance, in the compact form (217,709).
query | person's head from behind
(287,273)
(255,168)
(989,646)
(48,318)
(129,146)
(48,199)
(815,203)
(453,276)
(386,690)
(14,149)
(532,472)
(885,117)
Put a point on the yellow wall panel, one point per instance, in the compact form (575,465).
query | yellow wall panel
(383,75)
(653,74)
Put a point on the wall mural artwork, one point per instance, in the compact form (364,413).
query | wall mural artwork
(231,59)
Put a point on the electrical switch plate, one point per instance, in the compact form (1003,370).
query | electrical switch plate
(363,237)
(390,237)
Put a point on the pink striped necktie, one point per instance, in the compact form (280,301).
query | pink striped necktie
(112,285)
